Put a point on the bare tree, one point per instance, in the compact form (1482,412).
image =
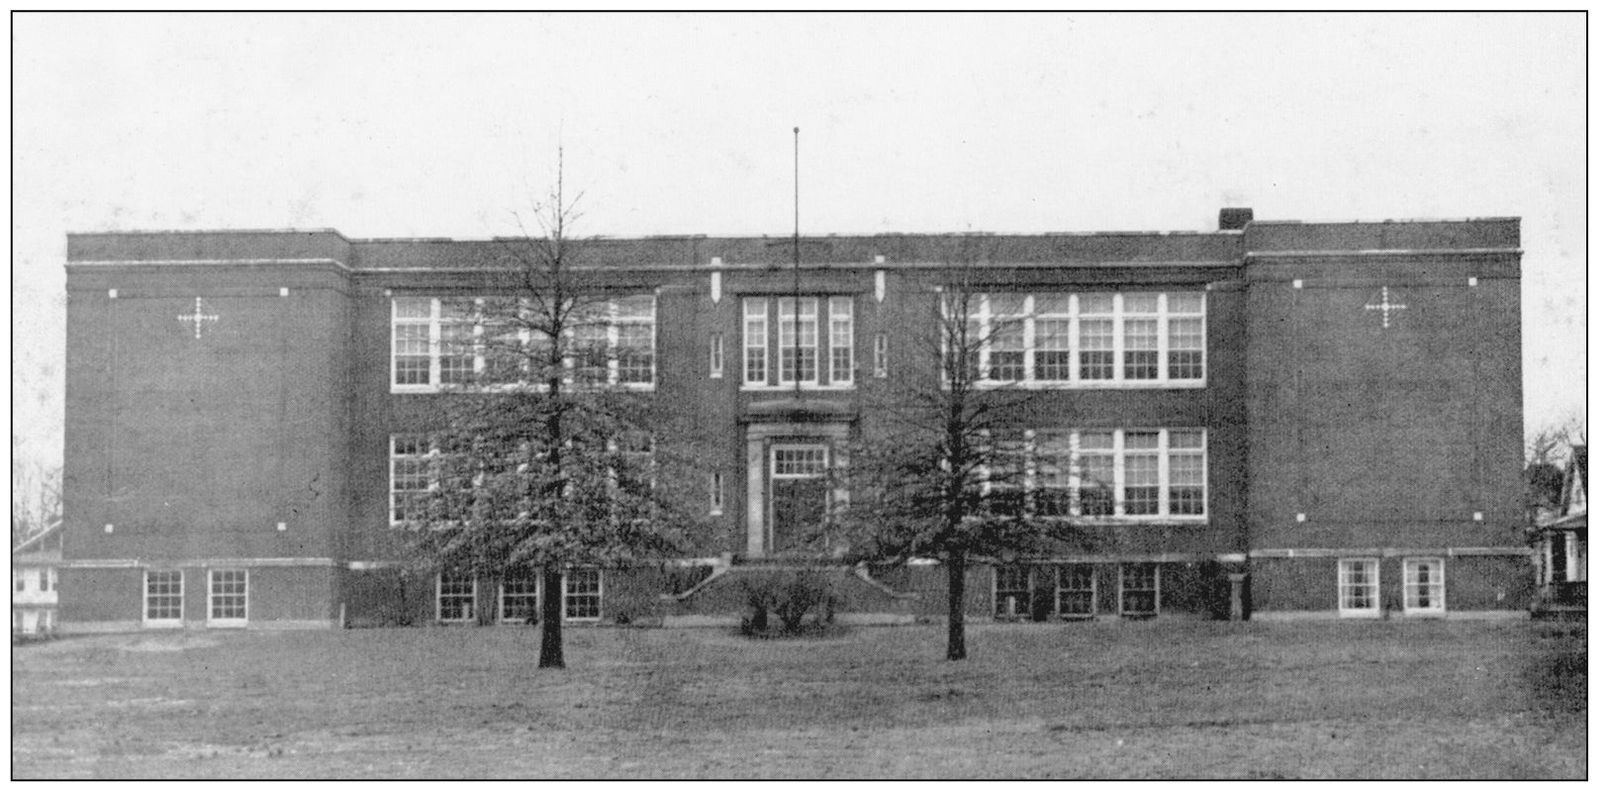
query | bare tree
(1547,452)
(940,466)
(549,457)
(35,495)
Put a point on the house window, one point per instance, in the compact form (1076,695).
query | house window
(584,594)
(164,597)
(1422,586)
(457,341)
(1358,587)
(226,596)
(517,597)
(455,597)
(717,356)
(1076,591)
(19,582)
(1011,591)
(47,580)
(1122,339)
(410,478)
(880,356)
(1138,589)
(717,493)
(803,329)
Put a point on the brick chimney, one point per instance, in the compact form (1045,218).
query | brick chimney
(1234,218)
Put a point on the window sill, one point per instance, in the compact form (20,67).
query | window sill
(435,389)
(226,623)
(1183,384)
(162,624)
(803,387)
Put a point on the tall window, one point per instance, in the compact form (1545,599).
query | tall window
(517,597)
(410,477)
(455,597)
(584,594)
(880,356)
(1139,589)
(1422,586)
(164,598)
(1012,591)
(462,340)
(718,355)
(718,493)
(1358,587)
(226,596)
(1076,591)
(802,331)
(1122,339)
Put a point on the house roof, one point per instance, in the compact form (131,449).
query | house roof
(35,543)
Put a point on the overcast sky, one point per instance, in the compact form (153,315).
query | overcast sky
(443,125)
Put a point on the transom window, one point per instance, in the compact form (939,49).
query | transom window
(1358,587)
(1158,473)
(455,597)
(1422,586)
(799,461)
(802,329)
(164,597)
(1076,591)
(1012,591)
(467,340)
(226,596)
(1121,339)
(1138,589)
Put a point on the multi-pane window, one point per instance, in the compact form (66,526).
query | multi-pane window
(517,597)
(796,340)
(462,340)
(756,341)
(584,594)
(410,477)
(164,597)
(1076,591)
(1422,586)
(1138,589)
(718,355)
(1012,590)
(1120,338)
(1358,587)
(841,340)
(801,329)
(880,356)
(455,597)
(1148,473)
(226,596)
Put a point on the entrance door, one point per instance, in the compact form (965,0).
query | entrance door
(799,497)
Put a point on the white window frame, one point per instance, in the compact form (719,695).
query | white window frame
(145,600)
(1171,307)
(1027,590)
(1165,454)
(1439,585)
(718,493)
(718,362)
(567,594)
(535,596)
(1344,584)
(1062,590)
(613,320)
(764,318)
(213,597)
(475,597)
(880,356)
(393,458)
(1124,590)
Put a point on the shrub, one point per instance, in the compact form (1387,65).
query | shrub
(792,596)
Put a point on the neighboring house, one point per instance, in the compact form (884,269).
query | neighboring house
(33,584)
(1561,544)
(1247,412)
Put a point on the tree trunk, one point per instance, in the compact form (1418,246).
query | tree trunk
(956,647)
(553,646)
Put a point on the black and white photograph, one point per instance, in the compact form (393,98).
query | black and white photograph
(799,396)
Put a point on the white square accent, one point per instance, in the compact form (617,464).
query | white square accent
(285,292)
(108,529)
(1297,284)
(280,526)
(1473,282)
(1301,517)
(877,259)
(1476,516)
(715,261)
(111,293)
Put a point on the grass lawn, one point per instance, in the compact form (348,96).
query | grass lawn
(1101,700)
